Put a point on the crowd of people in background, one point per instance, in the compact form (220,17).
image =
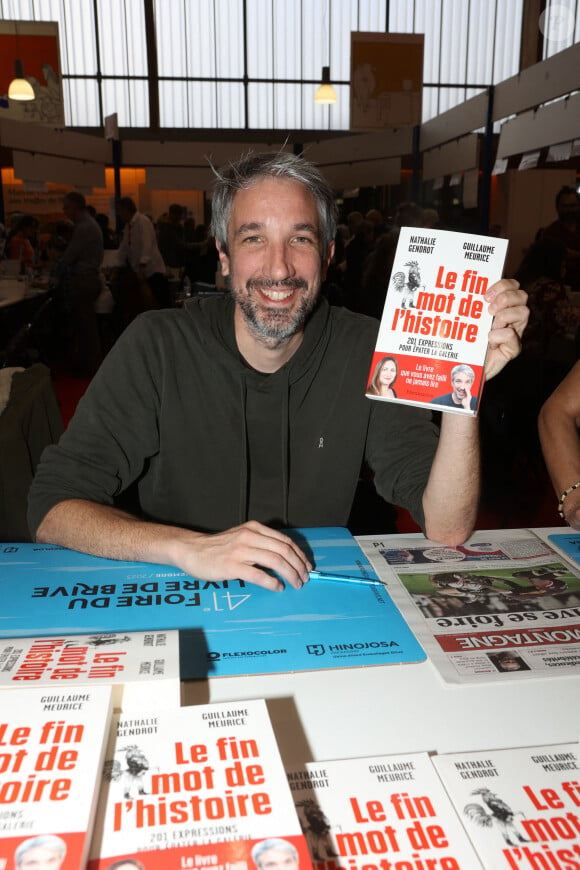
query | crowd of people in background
(154,259)
(96,294)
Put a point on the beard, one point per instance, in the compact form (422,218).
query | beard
(274,324)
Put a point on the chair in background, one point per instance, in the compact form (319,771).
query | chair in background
(30,420)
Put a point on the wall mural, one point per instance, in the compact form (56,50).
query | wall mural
(36,44)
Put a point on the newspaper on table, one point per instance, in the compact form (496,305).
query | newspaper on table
(505,605)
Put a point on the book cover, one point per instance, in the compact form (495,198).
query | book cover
(434,328)
(52,744)
(135,664)
(519,806)
(227,627)
(198,786)
(382,812)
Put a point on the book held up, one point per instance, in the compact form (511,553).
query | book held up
(434,329)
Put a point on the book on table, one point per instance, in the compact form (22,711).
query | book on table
(138,665)
(198,786)
(386,811)
(52,743)
(520,806)
(432,339)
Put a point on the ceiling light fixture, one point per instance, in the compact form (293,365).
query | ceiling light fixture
(20,88)
(325,94)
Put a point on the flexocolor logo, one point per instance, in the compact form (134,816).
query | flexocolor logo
(214,656)
(315,649)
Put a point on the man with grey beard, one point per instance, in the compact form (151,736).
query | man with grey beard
(236,417)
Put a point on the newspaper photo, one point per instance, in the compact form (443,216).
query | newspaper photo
(505,605)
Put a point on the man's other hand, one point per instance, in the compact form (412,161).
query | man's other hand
(507,302)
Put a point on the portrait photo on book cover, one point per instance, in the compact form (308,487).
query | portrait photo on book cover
(461,378)
(45,852)
(425,380)
(382,382)
(275,853)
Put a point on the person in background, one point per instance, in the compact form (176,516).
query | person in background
(550,336)
(408,214)
(81,261)
(378,221)
(189,229)
(566,229)
(171,237)
(430,219)
(353,221)
(140,252)
(108,235)
(377,275)
(19,244)
(243,414)
(202,261)
(558,424)
(357,253)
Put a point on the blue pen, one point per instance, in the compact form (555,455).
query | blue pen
(343,578)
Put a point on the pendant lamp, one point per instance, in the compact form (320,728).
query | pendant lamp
(325,94)
(20,88)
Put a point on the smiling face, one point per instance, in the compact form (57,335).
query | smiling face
(461,385)
(387,374)
(274,261)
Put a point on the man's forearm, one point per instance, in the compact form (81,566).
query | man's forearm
(106,531)
(251,552)
(451,497)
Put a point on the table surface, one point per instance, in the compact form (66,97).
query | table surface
(387,709)
(357,712)
(13,290)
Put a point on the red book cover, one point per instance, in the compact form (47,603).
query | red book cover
(519,806)
(52,743)
(138,665)
(196,786)
(387,812)
(434,328)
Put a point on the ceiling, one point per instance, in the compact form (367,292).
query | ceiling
(214,69)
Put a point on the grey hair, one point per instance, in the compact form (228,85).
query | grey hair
(253,167)
(467,370)
(273,843)
(48,841)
